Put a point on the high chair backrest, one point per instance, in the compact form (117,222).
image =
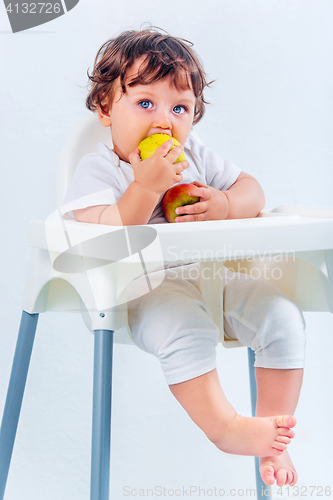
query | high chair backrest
(82,140)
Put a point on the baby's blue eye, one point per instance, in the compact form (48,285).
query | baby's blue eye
(145,104)
(179,110)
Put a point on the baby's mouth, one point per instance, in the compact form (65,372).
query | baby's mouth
(161,131)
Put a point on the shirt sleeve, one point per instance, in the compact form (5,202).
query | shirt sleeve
(95,182)
(219,173)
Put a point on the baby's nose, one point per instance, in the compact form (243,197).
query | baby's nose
(162,120)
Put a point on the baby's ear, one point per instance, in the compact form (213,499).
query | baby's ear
(103,115)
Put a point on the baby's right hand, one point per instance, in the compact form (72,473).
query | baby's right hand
(158,172)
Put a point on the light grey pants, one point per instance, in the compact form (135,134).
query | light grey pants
(173,323)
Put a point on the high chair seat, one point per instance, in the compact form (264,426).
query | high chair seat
(85,268)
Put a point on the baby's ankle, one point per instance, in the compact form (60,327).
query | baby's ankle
(218,435)
(225,435)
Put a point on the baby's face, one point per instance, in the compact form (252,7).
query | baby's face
(149,109)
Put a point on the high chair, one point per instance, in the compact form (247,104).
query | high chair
(73,264)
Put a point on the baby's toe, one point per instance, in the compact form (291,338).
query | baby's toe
(279,446)
(294,478)
(284,431)
(283,439)
(285,421)
(290,477)
(281,477)
(267,474)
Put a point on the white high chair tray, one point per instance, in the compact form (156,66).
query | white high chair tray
(276,232)
(115,255)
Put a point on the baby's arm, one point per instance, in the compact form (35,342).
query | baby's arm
(245,198)
(152,177)
(135,206)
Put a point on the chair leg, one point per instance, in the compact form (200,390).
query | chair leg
(263,491)
(15,393)
(101,426)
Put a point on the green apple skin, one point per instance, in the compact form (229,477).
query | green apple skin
(177,196)
(148,146)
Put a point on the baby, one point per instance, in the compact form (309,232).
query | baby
(147,82)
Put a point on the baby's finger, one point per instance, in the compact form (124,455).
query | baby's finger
(164,148)
(191,218)
(134,157)
(199,191)
(196,208)
(183,165)
(174,153)
(198,183)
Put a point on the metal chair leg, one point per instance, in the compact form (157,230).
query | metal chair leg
(15,393)
(101,426)
(263,491)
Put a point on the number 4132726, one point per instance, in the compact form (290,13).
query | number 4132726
(305,491)
(34,8)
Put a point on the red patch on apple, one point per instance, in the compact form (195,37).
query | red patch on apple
(177,196)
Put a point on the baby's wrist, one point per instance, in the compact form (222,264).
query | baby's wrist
(146,191)
(225,205)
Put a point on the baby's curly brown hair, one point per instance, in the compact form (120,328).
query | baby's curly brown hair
(166,56)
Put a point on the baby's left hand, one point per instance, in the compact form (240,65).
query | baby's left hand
(213,205)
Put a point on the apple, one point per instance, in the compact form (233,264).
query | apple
(149,145)
(177,196)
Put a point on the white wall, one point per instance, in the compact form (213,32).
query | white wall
(271,113)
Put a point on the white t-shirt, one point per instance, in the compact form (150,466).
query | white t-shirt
(101,178)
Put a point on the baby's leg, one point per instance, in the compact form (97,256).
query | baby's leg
(286,385)
(173,323)
(271,323)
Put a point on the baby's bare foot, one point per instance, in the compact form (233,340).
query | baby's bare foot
(279,468)
(257,436)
